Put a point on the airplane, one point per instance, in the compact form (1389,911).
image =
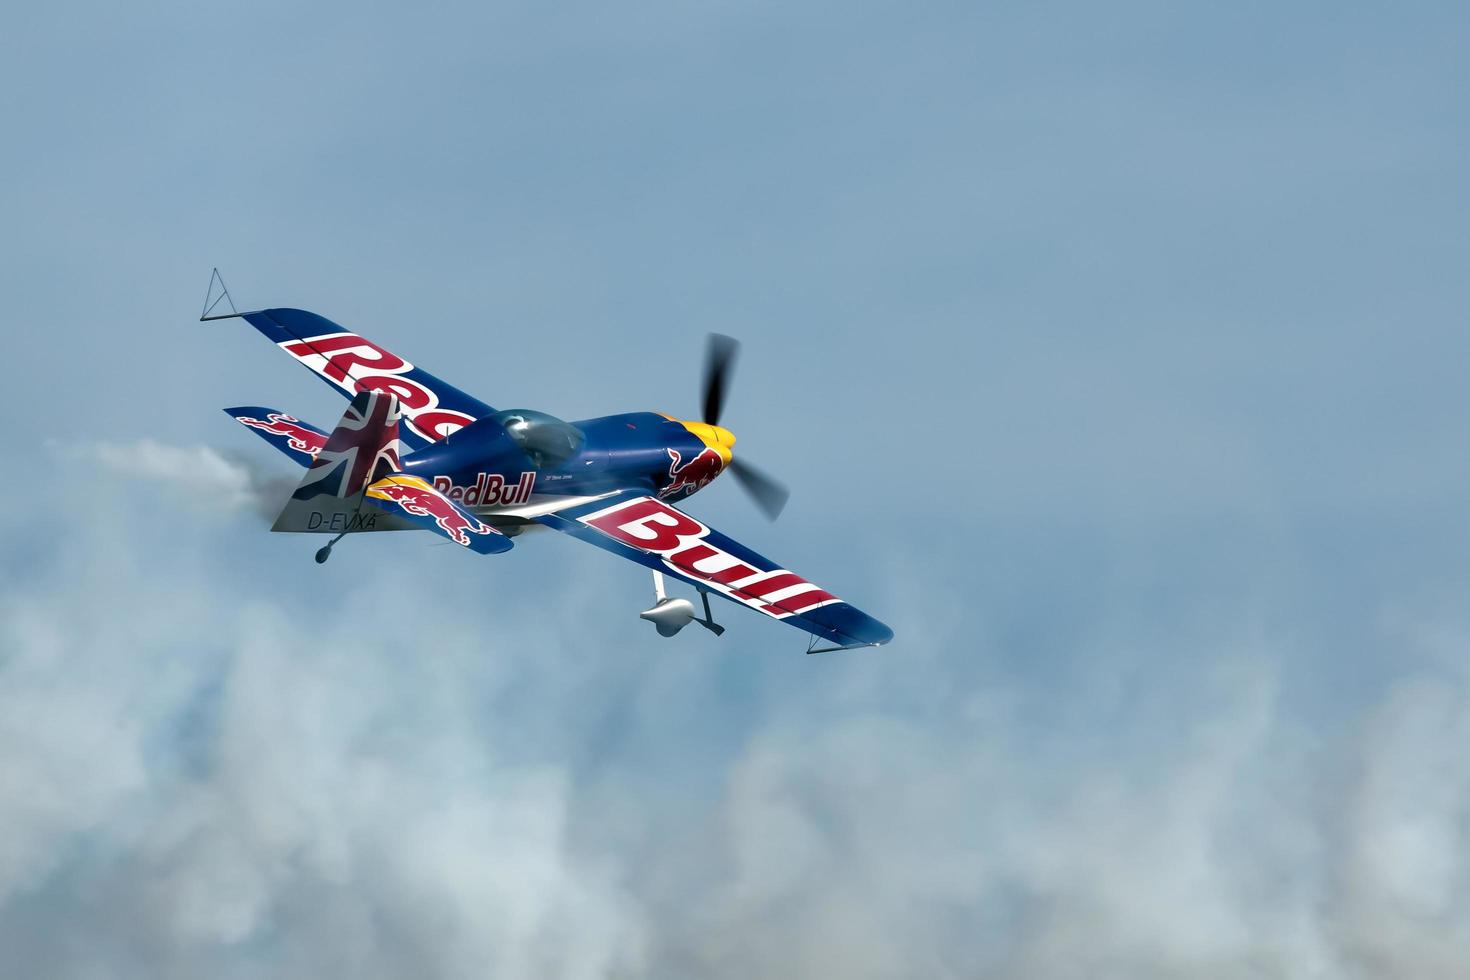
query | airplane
(412,452)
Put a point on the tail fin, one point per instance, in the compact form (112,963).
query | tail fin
(360,461)
(362,449)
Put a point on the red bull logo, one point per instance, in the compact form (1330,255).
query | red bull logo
(421,500)
(691,549)
(687,477)
(298,436)
(355,364)
(489,490)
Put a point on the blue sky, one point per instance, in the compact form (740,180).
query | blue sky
(1114,355)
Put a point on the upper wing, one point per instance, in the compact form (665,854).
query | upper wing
(650,532)
(352,363)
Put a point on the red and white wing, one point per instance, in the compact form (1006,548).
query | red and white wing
(647,530)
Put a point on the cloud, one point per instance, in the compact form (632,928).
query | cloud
(212,783)
(219,772)
(1168,353)
(1245,847)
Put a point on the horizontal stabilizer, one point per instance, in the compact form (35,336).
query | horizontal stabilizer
(325,514)
(297,439)
(415,499)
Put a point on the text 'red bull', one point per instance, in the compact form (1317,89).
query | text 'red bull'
(354,364)
(682,541)
(488,490)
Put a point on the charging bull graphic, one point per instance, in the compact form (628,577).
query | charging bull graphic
(298,436)
(416,497)
(687,477)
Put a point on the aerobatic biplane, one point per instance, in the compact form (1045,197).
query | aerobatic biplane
(412,452)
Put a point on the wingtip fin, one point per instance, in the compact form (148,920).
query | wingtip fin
(214,297)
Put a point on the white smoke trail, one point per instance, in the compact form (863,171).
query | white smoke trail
(204,478)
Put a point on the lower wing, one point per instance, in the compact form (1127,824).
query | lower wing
(650,532)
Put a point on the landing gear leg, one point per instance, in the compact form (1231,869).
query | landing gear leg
(672,615)
(323,554)
(708,622)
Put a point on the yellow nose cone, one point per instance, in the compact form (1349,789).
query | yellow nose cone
(722,435)
(716,437)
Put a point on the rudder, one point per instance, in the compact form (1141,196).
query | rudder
(363,448)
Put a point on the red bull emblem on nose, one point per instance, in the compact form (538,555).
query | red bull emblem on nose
(687,477)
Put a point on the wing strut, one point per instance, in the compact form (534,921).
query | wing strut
(812,647)
(672,615)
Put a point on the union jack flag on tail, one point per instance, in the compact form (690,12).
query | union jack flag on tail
(362,449)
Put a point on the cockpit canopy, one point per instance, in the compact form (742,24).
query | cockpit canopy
(545,439)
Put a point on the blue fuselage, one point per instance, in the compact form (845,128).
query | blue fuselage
(500,464)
